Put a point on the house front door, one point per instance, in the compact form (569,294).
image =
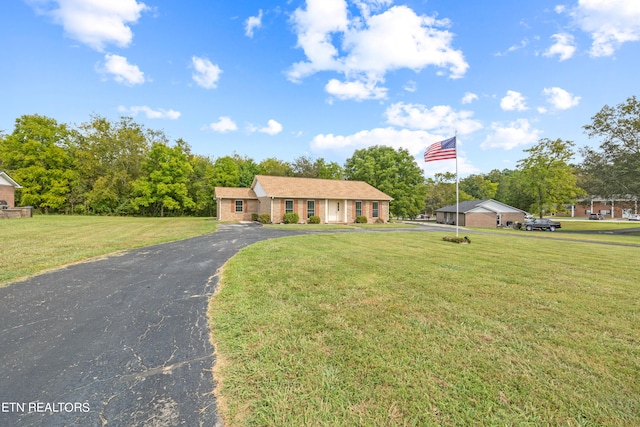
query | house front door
(333,210)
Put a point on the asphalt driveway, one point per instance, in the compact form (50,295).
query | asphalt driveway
(121,340)
(117,341)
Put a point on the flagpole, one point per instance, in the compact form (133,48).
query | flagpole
(457,194)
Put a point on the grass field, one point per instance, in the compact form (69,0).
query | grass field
(32,245)
(400,329)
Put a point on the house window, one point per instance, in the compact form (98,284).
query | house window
(239,205)
(358,208)
(288,206)
(311,208)
(376,210)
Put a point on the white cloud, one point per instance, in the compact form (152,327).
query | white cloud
(560,98)
(513,101)
(150,113)
(610,23)
(272,128)
(252,23)
(469,97)
(415,141)
(121,70)
(357,90)
(524,43)
(511,135)
(410,86)
(223,125)
(92,22)
(206,74)
(442,119)
(564,46)
(371,44)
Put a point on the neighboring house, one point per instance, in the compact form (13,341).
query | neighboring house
(480,213)
(7,189)
(614,207)
(333,201)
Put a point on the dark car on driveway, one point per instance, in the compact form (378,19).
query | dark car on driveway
(595,216)
(540,224)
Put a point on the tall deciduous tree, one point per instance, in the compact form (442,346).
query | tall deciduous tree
(479,187)
(274,167)
(547,175)
(110,157)
(441,192)
(307,167)
(164,185)
(613,170)
(38,155)
(393,172)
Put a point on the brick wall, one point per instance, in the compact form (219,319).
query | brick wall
(7,193)
(227,210)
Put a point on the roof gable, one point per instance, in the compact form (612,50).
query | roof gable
(5,179)
(316,188)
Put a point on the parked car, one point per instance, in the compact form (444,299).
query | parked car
(634,217)
(595,216)
(3,204)
(540,224)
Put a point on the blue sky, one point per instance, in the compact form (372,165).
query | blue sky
(323,78)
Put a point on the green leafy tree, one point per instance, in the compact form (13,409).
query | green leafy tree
(201,186)
(226,172)
(164,185)
(440,191)
(247,169)
(307,167)
(547,175)
(512,189)
(612,170)
(274,167)
(394,172)
(479,187)
(38,154)
(110,156)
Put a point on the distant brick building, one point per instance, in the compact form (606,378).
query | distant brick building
(615,207)
(480,213)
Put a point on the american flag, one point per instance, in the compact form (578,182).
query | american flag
(442,150)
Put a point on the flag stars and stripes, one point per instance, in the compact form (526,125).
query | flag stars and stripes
(442,150)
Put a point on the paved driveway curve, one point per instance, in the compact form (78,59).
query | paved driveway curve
(121,340)
(117,341)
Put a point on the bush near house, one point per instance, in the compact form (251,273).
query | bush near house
(361,219)
(290,218)
(264,218)
(314,219)
(254,217)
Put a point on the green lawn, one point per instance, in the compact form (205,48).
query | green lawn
(385,329)
(32,245)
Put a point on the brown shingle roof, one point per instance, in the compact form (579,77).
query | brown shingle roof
(234,193)
(315,188)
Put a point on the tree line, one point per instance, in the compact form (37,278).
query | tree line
(120,167)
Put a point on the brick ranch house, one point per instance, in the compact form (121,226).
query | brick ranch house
(334,201)
(480,213)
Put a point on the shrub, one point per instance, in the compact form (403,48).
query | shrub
(313,219)
(254,217)
(264,218)
(464,239)
(361,219)
(291,218)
